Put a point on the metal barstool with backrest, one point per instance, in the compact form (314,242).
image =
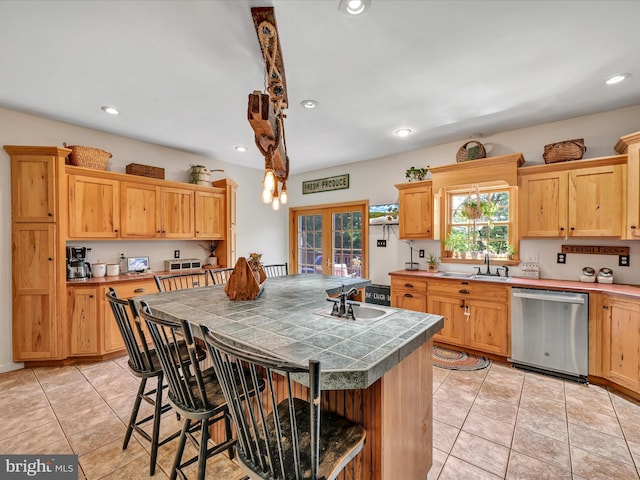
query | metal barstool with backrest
(280,438)
(182,280)
(276,270)
(144,364)
(220,276)
(194,393)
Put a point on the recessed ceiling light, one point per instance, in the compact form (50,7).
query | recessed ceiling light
(241,148)
(354,7)
(309,103)
(109,110)
(617,78)
(403,132)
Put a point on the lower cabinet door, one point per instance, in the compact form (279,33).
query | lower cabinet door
(621,342)
(488,327)
(83,308)
(452,309)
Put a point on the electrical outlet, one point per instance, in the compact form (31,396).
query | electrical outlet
(122,256)
(624,261)
(421,253)
(562,258)
(176,254)
(382,243)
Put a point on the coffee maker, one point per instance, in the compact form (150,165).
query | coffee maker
(77,265)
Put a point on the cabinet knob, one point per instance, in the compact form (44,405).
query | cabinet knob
(197,232)
(408,295)
(633,227)
(139,290)
(50,259)
(408,285)
(116,230)
(573,228)
(51,215)
(606,307)
(464,291)
(158,232)
(90,296)
(562,229)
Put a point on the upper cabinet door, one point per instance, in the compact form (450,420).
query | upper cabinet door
(210,209)
(416,210)
(94,207)
(32,187)
(140,210)
(177,210)
(543,205)
(595,201)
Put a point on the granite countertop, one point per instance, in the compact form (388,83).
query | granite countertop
(287,320)
(542,283)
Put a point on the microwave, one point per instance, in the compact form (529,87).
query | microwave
(182,264)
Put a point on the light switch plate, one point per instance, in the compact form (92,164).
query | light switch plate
(382,243)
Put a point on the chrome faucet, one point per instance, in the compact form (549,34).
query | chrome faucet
(340,307)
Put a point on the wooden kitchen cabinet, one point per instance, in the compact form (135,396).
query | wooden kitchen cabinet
(84,338)
(177,213)
(112,338)
(33,180)
(476,314)
(140,210)
(37,253)
(415,210)
(572,199)
(94,207)
(210,217)
(630,145)
(37,332)
(543,205)
(620,341)
(409,293)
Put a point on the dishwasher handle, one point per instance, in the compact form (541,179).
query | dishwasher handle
(550,298)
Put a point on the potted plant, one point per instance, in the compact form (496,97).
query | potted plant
(474,249)
(416,174)
(511,251)
(432,263)
(199,175)
(255,263)
(449,243)
(211,250)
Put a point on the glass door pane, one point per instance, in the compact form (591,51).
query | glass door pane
(347,244)
(310,243)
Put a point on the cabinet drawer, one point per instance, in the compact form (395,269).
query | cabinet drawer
(409,284)
(469,289)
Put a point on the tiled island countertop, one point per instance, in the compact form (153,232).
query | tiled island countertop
(287,320)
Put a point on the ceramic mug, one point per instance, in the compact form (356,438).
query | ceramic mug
(113,269)
(98,269)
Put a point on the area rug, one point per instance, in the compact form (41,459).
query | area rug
(453,360)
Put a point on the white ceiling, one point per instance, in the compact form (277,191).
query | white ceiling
(180,71)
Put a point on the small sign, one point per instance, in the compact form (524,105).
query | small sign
(326,184)
(595,249)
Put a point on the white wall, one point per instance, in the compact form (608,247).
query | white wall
(374,180)
(258,227)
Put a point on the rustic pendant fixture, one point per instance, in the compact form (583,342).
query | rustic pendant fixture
(265,111)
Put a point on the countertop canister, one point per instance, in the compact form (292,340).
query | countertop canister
(98,269)
(113,269)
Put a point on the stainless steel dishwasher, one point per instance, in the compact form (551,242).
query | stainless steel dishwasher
(550,332)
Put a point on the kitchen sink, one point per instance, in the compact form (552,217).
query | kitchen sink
(488,278)
(454,275)
(364,313)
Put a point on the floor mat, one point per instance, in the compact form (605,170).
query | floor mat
(454,360)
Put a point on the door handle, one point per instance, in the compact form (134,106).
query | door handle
(139,290)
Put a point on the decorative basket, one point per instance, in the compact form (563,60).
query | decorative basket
(471,150)
(564,151)
(88,157)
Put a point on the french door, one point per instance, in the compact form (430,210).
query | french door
(330,239)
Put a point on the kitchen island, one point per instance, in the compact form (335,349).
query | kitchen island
(375,372)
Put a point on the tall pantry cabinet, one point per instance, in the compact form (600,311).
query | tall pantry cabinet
(38,253)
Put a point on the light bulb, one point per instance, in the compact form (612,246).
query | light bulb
(275,204)
(269,180)
(283,194)
(267,195)
(355,7)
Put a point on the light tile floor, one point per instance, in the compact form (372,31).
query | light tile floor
(84,409)
(503,423)
(496,423)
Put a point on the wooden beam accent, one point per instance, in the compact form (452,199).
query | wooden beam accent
(263,121)
(623,142)
(262,14)
(595,249)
